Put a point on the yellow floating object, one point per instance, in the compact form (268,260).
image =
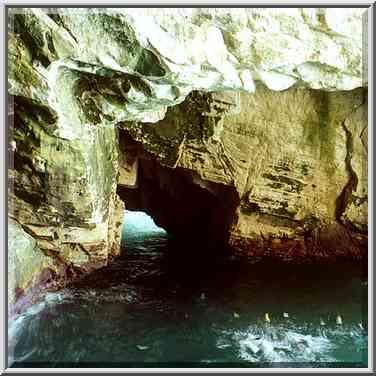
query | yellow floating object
(267,318)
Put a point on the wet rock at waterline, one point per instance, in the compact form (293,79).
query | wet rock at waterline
(247,127)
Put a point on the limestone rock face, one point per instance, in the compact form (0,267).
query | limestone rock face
(295,159)
(60,189)
(132,63)
(261,108)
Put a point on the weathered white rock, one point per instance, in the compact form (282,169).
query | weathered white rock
(174,51)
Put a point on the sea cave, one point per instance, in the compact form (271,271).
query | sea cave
(187,187)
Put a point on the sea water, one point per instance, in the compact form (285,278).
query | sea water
(160,305)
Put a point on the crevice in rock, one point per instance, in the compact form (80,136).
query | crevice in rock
(59,20)
(364,143)
(346,196)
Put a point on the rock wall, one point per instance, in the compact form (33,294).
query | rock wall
(296,160)
(292,150)
(62,192)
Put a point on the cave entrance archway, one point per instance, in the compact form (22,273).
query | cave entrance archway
(177,199)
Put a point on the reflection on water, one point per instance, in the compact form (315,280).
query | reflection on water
(159,306)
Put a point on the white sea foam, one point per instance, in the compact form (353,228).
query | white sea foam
(286,344)
(17,324)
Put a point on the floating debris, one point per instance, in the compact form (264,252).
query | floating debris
(236,315)
(13,145)
(142,348)
(223,345)
(339,320)
(322,323)
(267,318)
(286,315)
(202,296)
(361,326)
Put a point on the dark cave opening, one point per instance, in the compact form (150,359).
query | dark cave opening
(183,208)
(187,207)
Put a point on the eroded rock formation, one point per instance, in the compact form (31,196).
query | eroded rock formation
(248,124)
(294,166)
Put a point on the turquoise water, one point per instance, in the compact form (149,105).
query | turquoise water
(165,304)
